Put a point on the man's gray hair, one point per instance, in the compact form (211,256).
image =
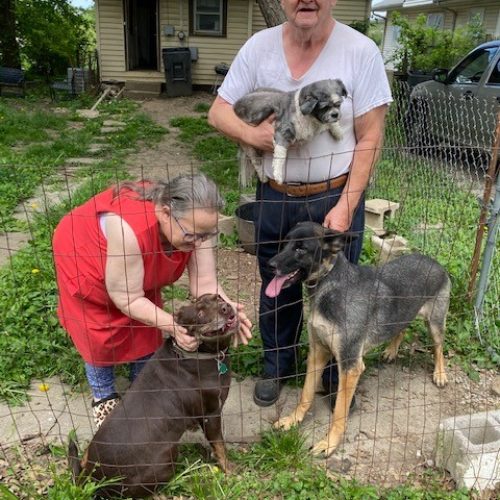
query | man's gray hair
(182,193)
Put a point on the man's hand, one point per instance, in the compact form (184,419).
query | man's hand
(262,136)
(338,218)
(244,326)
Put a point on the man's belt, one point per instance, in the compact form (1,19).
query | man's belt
(308,189)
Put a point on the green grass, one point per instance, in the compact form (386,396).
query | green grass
(430,196)
(32,343)
(278,466)
(217,156)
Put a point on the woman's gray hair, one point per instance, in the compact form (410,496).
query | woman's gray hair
(182,193)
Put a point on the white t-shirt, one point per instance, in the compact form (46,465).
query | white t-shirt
(347,55)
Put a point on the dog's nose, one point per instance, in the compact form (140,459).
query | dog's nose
(225,308)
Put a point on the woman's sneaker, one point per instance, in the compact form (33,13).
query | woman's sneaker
(102,408)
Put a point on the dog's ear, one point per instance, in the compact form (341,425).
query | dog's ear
(308,104)
(342,91)
(335,241)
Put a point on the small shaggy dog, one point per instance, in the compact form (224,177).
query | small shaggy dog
(300,116)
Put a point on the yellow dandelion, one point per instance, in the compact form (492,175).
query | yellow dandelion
(35,271)
(43,387)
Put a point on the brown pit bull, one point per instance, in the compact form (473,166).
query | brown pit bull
(175,391)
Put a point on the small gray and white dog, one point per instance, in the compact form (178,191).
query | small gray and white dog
(300,116)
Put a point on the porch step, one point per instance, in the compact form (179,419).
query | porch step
(140,95)
(141,86)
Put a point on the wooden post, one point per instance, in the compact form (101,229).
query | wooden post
(488,186)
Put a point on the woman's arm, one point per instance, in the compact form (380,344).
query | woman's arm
(124,282)
(203,279)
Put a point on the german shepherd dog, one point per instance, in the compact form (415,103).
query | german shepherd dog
(353,309)
(175,391)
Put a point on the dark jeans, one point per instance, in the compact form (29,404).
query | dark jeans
(280,318)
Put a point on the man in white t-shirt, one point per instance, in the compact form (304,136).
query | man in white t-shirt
(310,46)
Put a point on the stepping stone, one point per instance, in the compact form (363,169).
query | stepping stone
(10,243)
(61,111)
(96,148)
(87,113)
(82,161)
(114,123)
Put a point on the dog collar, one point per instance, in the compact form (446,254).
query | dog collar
(219,356)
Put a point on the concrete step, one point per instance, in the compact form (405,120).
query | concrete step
(140,95)
(141,86)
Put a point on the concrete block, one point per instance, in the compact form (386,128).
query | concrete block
(226,224)
(468,446)
(389,247)
(376,211)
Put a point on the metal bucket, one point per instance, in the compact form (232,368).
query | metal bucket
(245,225)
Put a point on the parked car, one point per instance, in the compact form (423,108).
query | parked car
(458,107)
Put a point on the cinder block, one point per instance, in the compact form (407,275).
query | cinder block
(389,247)
(376,211)
(468,446)
(226,224)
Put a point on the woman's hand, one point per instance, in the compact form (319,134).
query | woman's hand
(244,326)
(182,339)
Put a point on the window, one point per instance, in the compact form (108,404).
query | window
(472,68)
(208,17)
(435,20)
(495,75)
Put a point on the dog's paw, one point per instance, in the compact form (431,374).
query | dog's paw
(228,467)
(286,423)
(389,355)
(323,448)
(440,378)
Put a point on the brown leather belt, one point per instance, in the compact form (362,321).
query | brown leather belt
(308,189)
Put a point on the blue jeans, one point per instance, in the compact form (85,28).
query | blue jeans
(102,378)
(280,318)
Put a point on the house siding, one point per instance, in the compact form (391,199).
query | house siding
(243,19)
(462,8)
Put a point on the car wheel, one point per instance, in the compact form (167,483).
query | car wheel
(417,128)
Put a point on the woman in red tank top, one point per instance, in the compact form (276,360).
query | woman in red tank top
(113,255)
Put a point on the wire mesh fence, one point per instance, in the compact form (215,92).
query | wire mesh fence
(435,163)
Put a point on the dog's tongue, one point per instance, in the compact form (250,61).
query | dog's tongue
(275,286)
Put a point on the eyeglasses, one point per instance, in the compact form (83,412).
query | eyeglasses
(192,237)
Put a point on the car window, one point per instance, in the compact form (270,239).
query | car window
(471,69)
(494,78)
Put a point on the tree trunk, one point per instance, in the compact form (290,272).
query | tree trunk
(9,48)
(272,12)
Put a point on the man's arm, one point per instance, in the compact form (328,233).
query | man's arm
(369,131)
(224,119)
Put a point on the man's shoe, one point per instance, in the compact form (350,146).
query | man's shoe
(267,391)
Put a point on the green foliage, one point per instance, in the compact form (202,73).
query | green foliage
(217,155)
(361,26)
(429,197)
(279,466)
(191,128)
(53,35)
(32,342)
(202,107)
(424,48)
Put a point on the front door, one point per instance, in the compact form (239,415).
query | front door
(141,34)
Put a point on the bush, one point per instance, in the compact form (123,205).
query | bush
(424,48)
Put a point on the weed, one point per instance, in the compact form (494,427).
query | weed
(202,107)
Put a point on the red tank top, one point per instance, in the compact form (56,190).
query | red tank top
(102,334)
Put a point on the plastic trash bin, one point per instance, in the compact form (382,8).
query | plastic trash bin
(177,63)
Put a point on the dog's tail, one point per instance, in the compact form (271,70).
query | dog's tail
(73,460)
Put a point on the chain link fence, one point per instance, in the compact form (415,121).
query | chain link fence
(437,163)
